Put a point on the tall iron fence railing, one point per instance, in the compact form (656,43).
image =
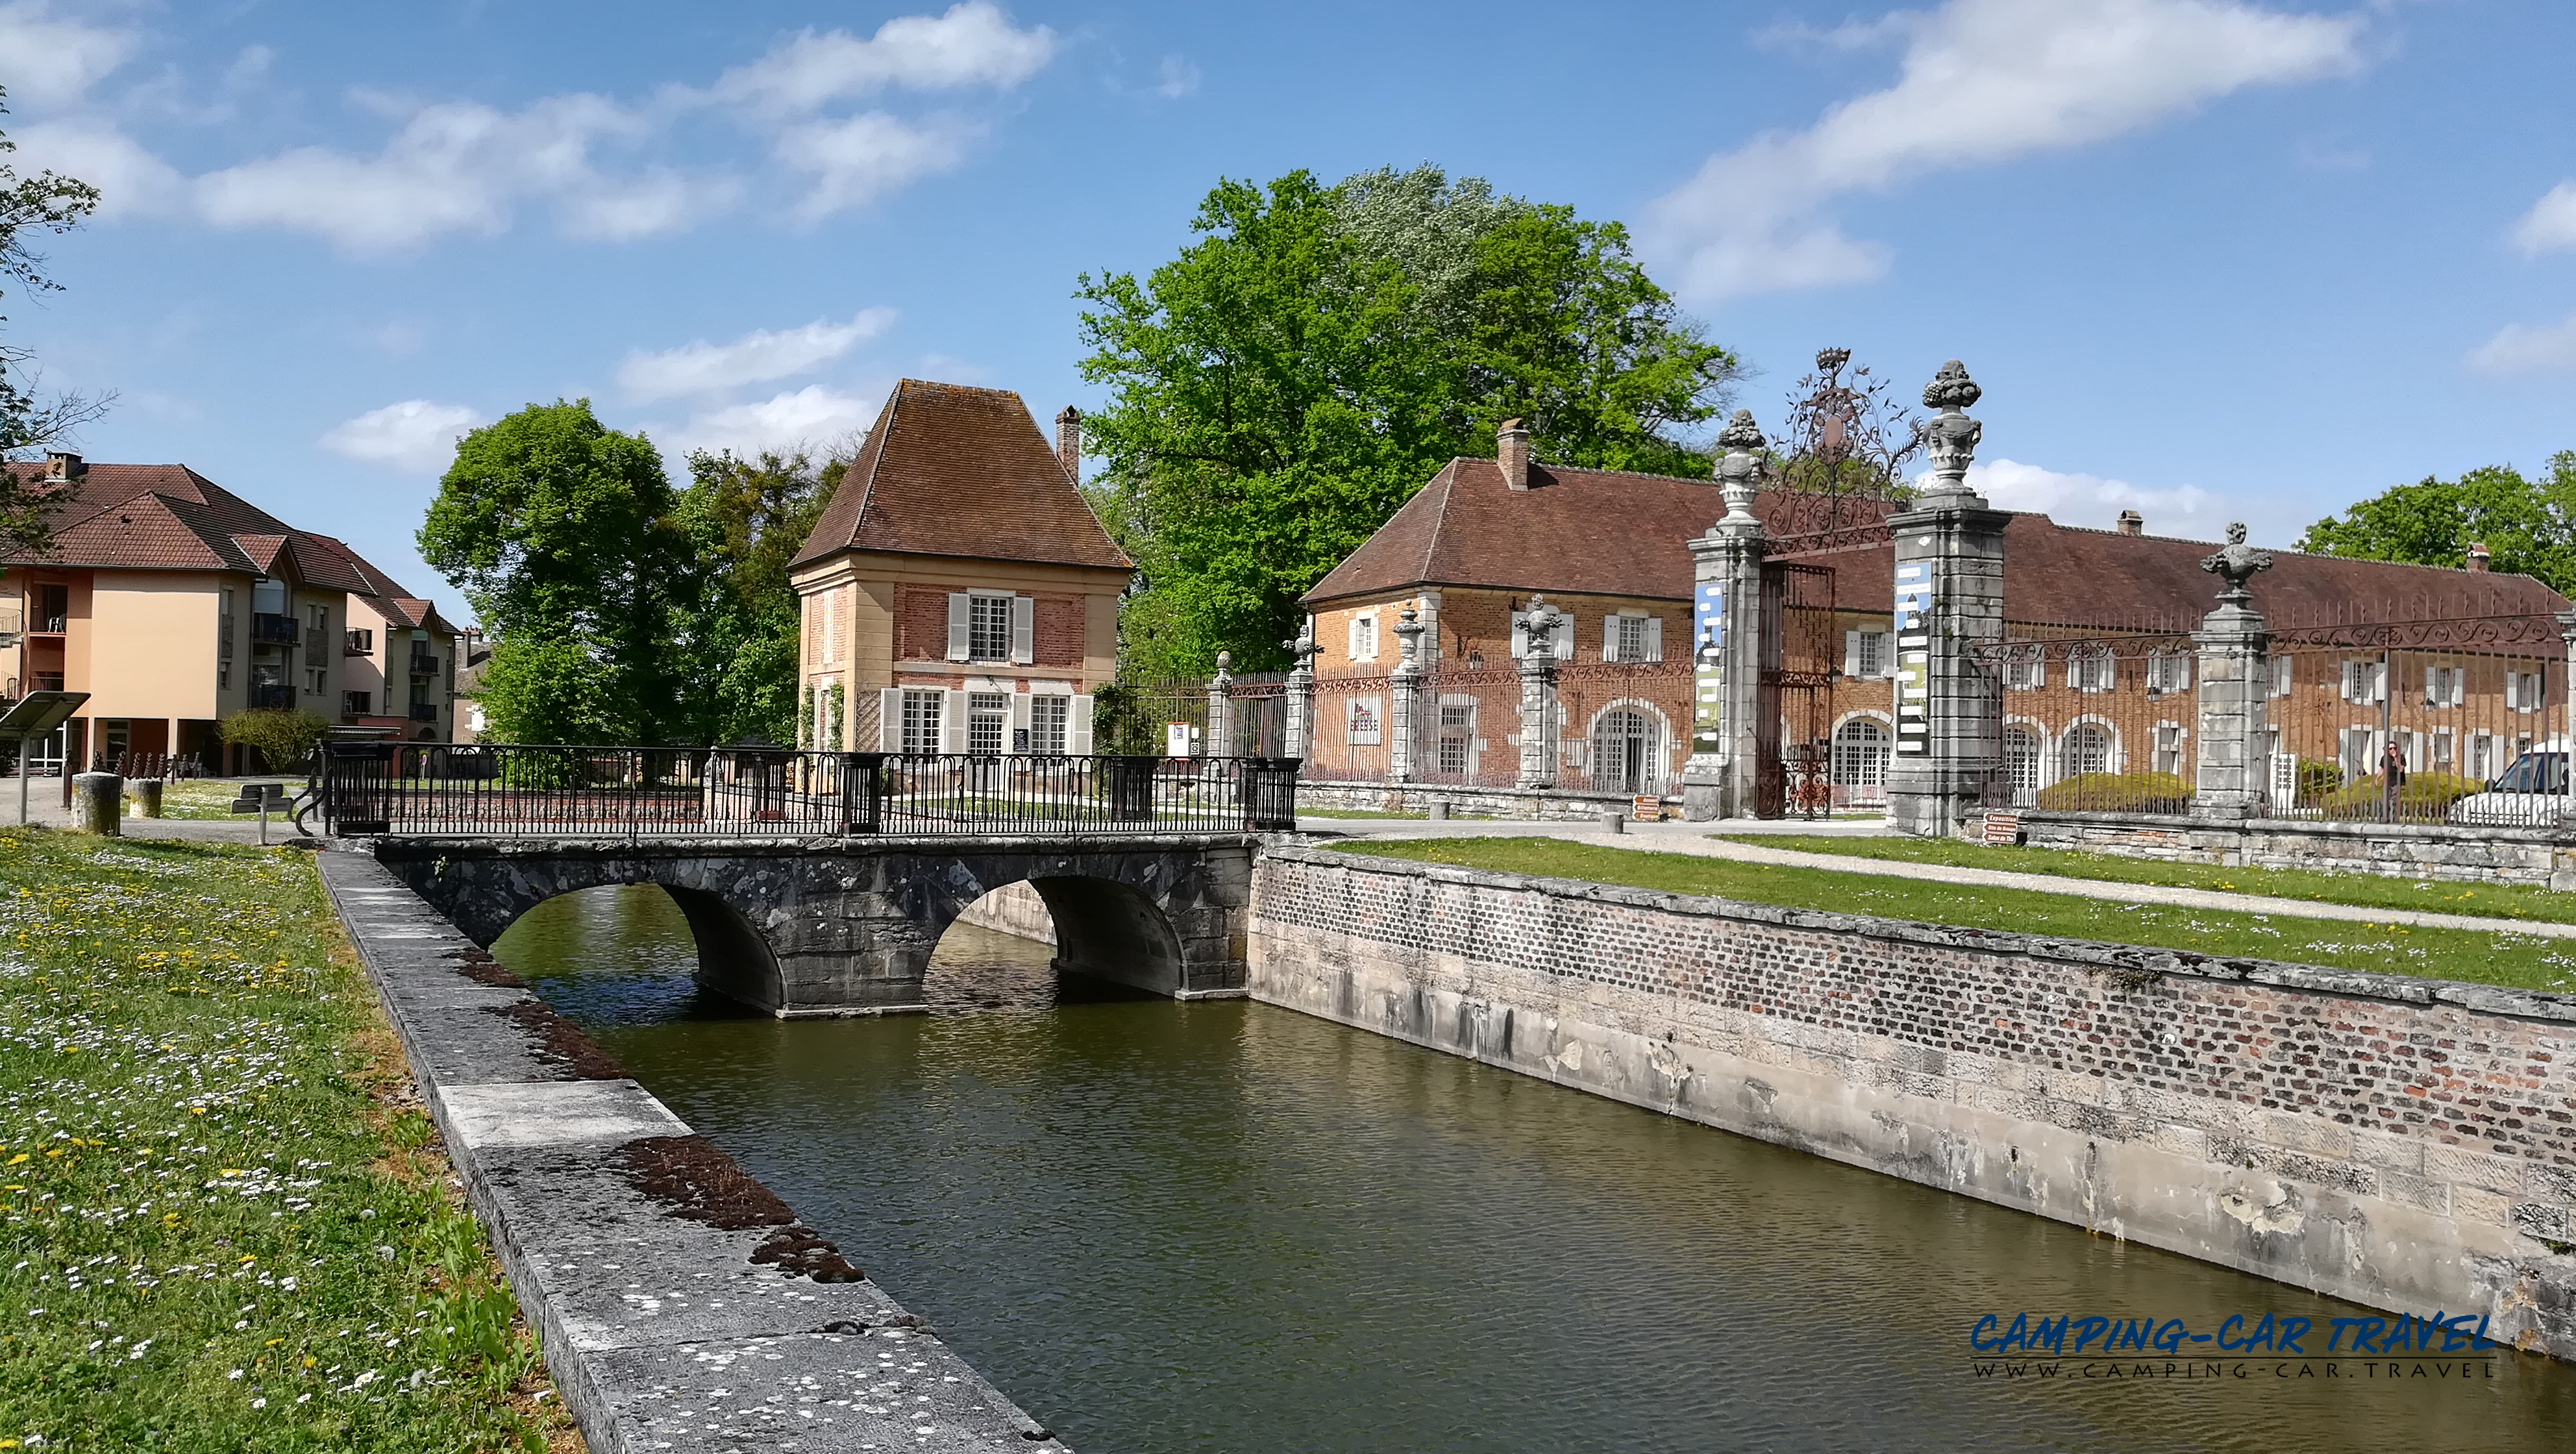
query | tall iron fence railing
(514,790)
(2099,724)
(2433,730)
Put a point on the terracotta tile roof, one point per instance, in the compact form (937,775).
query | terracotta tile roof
(1601,532)
(953,470)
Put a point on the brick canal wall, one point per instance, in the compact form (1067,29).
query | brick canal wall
(2407,1144)
(2543,857)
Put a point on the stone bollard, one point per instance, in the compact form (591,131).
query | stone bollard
(146,792)
(1614,822)
(98,801)
(1439,810)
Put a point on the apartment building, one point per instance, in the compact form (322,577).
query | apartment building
(175,603)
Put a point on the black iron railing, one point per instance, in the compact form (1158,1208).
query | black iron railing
(519,790)
(271,627)
(424,711)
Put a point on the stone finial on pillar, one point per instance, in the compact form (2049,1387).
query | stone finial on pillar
(1404,689)
(1538,695)
(1739,469)
(1300,727)
(1950,437)
(1220,708)
(2232,683)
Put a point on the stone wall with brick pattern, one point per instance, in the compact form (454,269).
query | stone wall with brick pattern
(2408,1144)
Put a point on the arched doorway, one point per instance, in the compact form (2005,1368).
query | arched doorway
(2023,749)
(1861,749)
(1627,752)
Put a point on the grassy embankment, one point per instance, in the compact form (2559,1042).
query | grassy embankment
(2369,891)
(231,1226)
(203,798)
(2519,960)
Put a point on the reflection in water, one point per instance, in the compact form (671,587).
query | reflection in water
(1231,1227)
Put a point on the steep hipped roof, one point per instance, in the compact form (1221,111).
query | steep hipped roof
(1603,532)
(953,470)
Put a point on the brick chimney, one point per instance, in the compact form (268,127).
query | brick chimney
(63,466)
(2478,556)
(1511,451)
(1068,442)
(2132,523)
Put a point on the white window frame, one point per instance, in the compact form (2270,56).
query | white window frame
(2026,670)
(2092,672)
(988,626)
(988,723)
(2524,691)
(923,709)
(1050,724)
(2282,676)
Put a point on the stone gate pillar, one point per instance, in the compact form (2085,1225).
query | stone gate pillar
(1538,696)
(1403,694)
(2232,680)
(1949,600)
(1298,730)
(1726,636)
(1220,708)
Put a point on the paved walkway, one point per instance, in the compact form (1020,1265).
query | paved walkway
(45,807)
(1693,839)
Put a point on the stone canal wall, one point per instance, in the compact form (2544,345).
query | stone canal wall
(2408,1144)
(681,1305)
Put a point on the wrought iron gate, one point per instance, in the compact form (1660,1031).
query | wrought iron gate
(1794,711)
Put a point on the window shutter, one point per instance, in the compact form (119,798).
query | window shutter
(1609,637)
(2351,675)
(1520,638)
(960,604)
(1077,728)
(1564,645)
(1654,638)
(1851,654)
(952,721)
(1024,630)
(2434,695)
(890,720)
(2459,686)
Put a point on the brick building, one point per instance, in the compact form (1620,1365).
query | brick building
(958,593)
(175,603)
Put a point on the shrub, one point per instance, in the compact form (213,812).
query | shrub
(2117,792)
(282,737)
(2319,778)
(2424,796)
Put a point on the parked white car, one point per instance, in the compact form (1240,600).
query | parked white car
(2529,794)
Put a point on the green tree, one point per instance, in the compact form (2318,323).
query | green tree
(282,737)
(2527,526)
(29,422)
(1289,380)
(745,520)
(560,532)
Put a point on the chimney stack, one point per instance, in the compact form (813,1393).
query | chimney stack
(1511,451)
(62,466)
(1068,442)
(2132,523)
(2478,557)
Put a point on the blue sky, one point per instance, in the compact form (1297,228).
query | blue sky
(2210,259)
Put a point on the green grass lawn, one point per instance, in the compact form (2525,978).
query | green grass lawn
(2487,901)
(2520,960)
(225,1222)
(203,798)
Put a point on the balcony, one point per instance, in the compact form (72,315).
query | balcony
(46,626)
(46,681)
(272,697)
(424,711)
(275,629)
(361,643)
(423,664)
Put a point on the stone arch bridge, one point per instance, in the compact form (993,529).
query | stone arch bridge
(846,926)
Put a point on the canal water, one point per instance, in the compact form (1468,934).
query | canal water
(1230,1227)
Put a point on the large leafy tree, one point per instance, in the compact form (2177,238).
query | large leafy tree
(30,422)
(561,533)
(745,520)
(2528,526)
(1289,380)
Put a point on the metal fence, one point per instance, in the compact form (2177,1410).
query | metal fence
(2099,724)
(1616,727)
(519,790)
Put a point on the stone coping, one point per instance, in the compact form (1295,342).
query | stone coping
(696,845)
(681,1305)
(2185,823)
(2085,954)
(1572,795)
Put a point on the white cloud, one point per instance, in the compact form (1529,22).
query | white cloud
(856,161)
(415,436)
(49,62)
(1178,78)
(811,415)
(2079,499)
(754,358)
(1981,82)
(974,44)
(2550,224)
(131,181)
(2527,348)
